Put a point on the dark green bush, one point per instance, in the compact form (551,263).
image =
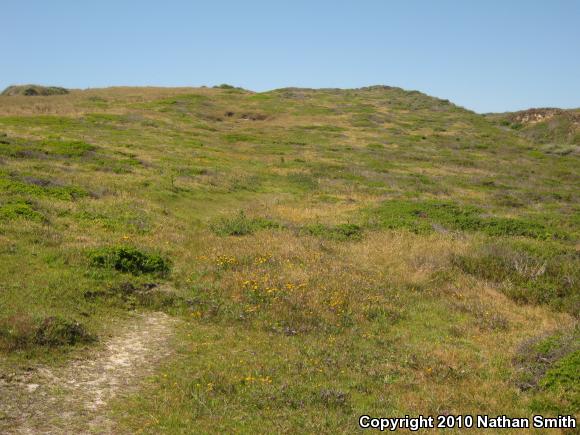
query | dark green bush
(131,260)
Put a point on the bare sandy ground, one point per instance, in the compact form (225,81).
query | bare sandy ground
(72,399)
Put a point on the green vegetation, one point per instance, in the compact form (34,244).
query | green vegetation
(22,332)
(241,225)
(33,90)
(43,149)
(138,295)
(224,86)
(558,131)
(425,216)
(66,149)
(18,210)
(528,274)
(56,331)
(395,254)
(565,374)
(335,232)
(38,187)
(131,260)
(549,366)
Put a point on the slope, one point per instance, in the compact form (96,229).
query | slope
(332,252)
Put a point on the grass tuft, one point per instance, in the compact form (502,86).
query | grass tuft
(341,232)
(241,225)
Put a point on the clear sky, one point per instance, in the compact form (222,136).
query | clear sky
(486,55)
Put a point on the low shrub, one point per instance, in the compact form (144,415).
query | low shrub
(241,225)
(143,295)
(340,232)
(41,149)
(130,260)
(57,331)
(34,90)
(565,374)
(419,216)
(19,210)
(37,187)
(239,137)
(549,365)
(66,148)
(303,181)
(495,226)
(22,332)
(423,216)
(536,356)
(16,332)
(527,274)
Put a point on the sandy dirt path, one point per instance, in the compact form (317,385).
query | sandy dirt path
(72,399)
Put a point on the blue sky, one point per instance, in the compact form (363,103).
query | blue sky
(487,55)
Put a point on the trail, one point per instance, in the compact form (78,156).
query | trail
(72,399)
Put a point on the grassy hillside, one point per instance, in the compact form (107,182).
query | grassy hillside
(557,130)
(330,253)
